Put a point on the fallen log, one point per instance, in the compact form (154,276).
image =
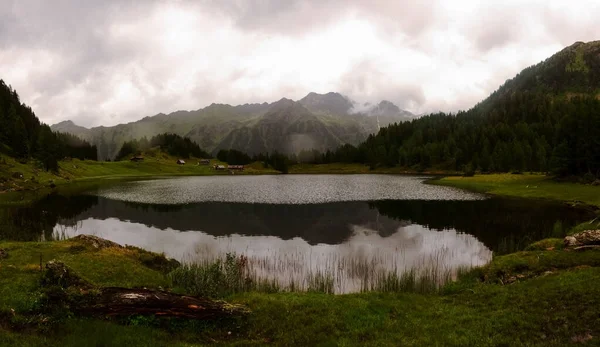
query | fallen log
(583,248)
(115,301)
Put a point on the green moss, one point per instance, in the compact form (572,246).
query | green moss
(546,244)
(534,263)
(591,225)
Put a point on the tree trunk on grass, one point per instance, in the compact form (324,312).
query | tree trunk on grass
(114,301)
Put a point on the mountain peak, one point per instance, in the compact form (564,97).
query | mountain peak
(67,122)
(330,103)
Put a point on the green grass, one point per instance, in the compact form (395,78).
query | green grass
(76,175)
(343,168)
(533,298)
(525,186)
(20,272)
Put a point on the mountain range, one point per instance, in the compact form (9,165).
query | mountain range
(317,121)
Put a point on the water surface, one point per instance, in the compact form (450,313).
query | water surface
(282,189)
(291,227)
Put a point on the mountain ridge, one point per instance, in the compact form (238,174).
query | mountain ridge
(325,120)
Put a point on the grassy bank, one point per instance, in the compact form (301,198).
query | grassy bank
(525,186)
(537,297)
(343,168)
(18,180)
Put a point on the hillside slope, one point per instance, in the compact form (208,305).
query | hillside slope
(326,119)
(546,119)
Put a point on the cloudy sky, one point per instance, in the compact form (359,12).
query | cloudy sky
(103,62)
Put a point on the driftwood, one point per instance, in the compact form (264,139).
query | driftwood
(114,301)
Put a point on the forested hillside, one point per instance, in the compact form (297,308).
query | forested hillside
(172,144)
(23,136)
(545,119)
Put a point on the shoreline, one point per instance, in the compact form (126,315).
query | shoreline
(76,175)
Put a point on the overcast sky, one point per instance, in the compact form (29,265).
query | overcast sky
(103,62)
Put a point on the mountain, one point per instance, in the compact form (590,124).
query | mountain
(574,71)
(327,104)
(317,121)
(545,119)
(287,127)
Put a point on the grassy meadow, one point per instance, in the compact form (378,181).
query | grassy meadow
(540,297)
(525,186)
(21,181)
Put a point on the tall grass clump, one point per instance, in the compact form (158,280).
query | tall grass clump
(320,282)
(218,278)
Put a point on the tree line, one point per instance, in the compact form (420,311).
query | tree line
(520,131)
(172,144)
(23,136)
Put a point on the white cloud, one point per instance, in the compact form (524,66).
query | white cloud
(110,62)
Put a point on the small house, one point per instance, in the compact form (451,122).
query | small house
(219,167)
(204,162)
(236,167)
(137,159)
(180,162)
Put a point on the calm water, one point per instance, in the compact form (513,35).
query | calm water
(293,226)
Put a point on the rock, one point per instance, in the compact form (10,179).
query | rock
(96,241)
(588,237)
(570,241)
(58,274)
(3,254)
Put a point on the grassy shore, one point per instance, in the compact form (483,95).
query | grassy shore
(525,186)
(537,297)
(343,168)
(22,182)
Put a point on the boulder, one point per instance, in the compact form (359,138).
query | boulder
(3,253)
(95,241)
(584,238)
(59,274)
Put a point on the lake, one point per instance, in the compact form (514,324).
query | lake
(352,228)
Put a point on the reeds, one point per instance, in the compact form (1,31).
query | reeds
(332,274)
